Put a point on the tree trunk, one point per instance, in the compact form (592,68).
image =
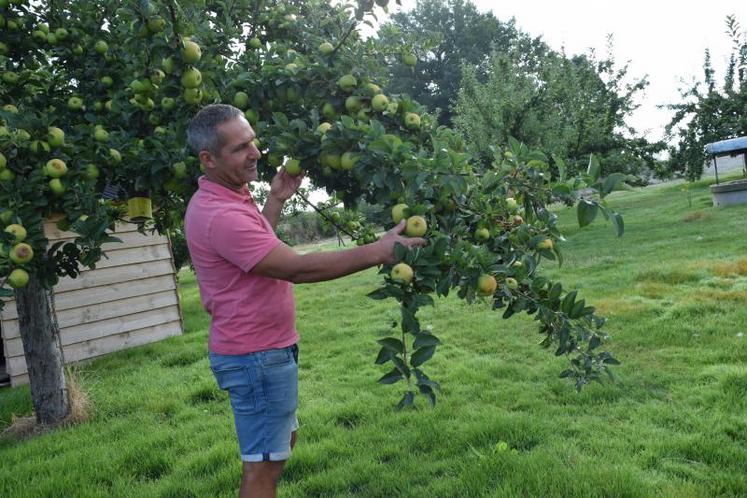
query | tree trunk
(43,351)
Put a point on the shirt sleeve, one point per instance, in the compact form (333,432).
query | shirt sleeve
(241,238)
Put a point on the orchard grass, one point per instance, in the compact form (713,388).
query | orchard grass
(673,425)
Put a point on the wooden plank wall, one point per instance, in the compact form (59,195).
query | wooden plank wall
(130,299)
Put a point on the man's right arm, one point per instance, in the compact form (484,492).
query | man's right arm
(283,263)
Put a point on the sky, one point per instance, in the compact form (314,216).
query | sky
(663,39)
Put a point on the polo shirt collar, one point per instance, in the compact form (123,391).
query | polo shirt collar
(225,192)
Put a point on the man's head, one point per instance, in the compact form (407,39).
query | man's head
(223,139)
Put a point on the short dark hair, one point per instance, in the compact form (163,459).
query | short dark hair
(202,133)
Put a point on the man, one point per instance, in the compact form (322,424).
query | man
(245,275)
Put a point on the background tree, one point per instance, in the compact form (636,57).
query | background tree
(97,96)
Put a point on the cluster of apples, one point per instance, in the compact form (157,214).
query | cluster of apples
(20,253)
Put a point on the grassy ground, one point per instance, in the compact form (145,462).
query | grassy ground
(674,425)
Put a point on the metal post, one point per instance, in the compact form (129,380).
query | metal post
(715,167)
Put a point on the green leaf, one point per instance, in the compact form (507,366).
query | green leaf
(392,344)
(384,356)
(425,340)
(594,169)
(611,182)
(406,400)
(391,377)
(400,251)
(617,223)
(586,212)
(422,355)
(568,301)
(382,293)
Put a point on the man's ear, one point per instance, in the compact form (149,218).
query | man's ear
(206,159)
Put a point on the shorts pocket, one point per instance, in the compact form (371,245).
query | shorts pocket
(239,381)
(276,357)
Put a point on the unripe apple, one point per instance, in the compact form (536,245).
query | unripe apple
(3,161)
(18,278)
(7,175)
(156,24)
(348,160)
(22,135)
(192,96)
(251,116)
(77,50)
(18,231)
(293,167)
(100,46)
(241,100)
(482,234)
(167,103)
(486,285)
(39,148)
(330,160)
(402,272)
(61,33)
(4,48)
(292,67)
(167,64)
(517,264)
(91,172)
(108,105)
(328,111)
(416,226)
(379,102)
(191,52)
(156,76)
(114,156)
(347,82)
(255,43)
(191,78)
(51,39)
(56,186)
(409,59)
(326,48)
(323,127)
(412,120)
(101,135)
(398,212)
(21,253)
(55,137)
(56,168)
(353,104)
(75,103)
(6,216)
(517,220)
(545,244)
(511,204)
(180,169)
(10,77)
(511,283)
(10,108)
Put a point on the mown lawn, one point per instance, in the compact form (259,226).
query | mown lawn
(674,424)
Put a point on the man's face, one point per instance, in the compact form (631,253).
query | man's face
(237,162)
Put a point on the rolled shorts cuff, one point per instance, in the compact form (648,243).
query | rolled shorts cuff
(266,457)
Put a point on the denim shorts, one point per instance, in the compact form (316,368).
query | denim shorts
(263,388)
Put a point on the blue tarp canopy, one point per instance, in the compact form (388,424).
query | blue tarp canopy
(731,146)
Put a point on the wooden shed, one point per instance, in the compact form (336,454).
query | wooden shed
(130,299)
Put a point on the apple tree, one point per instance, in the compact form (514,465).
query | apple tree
(96,96)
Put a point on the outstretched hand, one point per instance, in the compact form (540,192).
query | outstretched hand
(283,185)
(395,235)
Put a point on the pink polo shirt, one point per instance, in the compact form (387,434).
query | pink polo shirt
(227,236)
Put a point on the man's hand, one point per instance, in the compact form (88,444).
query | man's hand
(283,185)
(393,236)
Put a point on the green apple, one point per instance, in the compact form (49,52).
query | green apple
(22,135)
(10,108)
(511,204)
(348,160)
(191,52)
(7,175)
(156,76)
(326,48)
(518,220)
(3,161)
(114,156)
(482,234)
(379,102)
(101,135)
(21,253)
(4,48)
(255,43)
(416,226)
(180,169)
(412,120)
(6,216)
(192,96)
(108,105)
(156,24)
(10,77)
(372,89)
(101,46)
(43,27)
(56,168)
(402,272)
(251,116)
(18,231)
(275,159)
(330,160)
(486,285)
(55,137)
(241,100)
(293,167)
(107,81)
(75,103)
(61,33)
(392,107)
(323,128)
(398,212)
(511,283)
(191,78)
(292,67)
(546,244)
(91,172)
(167,64)
(353,103)
(51,38)
(167,103)
(409,59)
(56,186)
(18,278)
(328,111)
(77,50)
(347,82)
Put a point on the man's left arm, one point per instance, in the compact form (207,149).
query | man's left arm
(282,188)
